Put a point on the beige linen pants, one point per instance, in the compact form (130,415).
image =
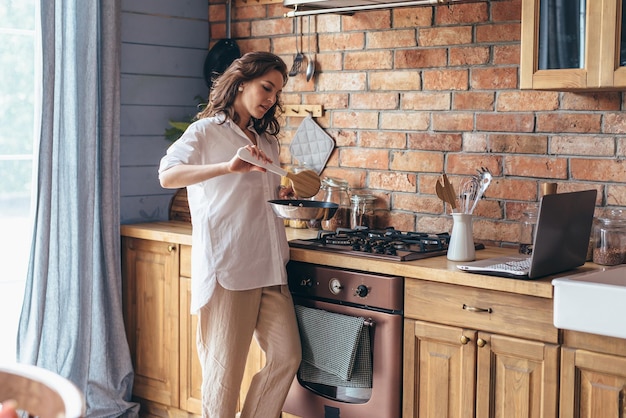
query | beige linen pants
(225,328)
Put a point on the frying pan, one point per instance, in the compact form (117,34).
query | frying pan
(222,54)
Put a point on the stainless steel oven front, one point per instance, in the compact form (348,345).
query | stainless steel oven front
(378,300)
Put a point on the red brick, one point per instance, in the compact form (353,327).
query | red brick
(412,17)
(582,145)
(467,164)
(455,14)
(412,121)
(344,81)
(568,122)
(591,101)
(368,60)
(374,100)
(444,36)
(270,27)
(434,224)
(382,139)
(425,101)
(616,195)
(453,121)
(615,123)
(355,120)
(514,189)
(328,62)
(445,80)
(499,32)
(394,80)
(505,122)
(517,144)
(340,42)
(435,141)
(474,142)
(369,20)
(391,39)
(469,56)
(416,203)
(326,23)
(393,181)
(506,10)
(515,101)
(598,169)
(542,167)
(471,100)
(343,137)
(506,54)
(494,78)
(417,161)
(375,159)
(329,100)
(421,58)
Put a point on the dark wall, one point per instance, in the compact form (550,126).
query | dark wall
(164,43)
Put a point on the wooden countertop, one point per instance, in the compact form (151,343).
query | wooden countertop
(437,269)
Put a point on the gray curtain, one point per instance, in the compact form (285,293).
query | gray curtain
(71,321)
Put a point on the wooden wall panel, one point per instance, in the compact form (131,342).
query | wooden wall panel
(164,44)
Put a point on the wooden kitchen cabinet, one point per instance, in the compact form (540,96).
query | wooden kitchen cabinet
(151,304)
(593,376)
(161,331)
(590,55)
(475,353)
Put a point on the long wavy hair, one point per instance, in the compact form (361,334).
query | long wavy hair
(225,87)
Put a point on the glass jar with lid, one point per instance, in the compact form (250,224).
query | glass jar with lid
(336,190)
(362,213)
(528,227)
(609,238)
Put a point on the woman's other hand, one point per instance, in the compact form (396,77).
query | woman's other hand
(8,409)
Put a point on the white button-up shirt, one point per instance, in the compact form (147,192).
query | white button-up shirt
(237,240)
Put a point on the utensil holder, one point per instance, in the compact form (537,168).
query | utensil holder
(461,246)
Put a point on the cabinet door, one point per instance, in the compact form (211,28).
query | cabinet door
(572,45)
(439,371)
(516,378)
(151,305)
(190,369)
(592,385)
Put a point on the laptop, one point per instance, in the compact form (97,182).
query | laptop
(561,240)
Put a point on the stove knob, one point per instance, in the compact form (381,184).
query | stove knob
(335,286)
(361,291)
(306,283)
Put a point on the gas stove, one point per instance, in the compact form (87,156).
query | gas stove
(388,244)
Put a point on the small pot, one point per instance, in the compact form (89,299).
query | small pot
(303,209)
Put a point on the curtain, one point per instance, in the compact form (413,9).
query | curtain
(71,320)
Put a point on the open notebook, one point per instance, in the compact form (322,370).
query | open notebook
(561,239)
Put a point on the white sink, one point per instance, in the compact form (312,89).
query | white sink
(592,302)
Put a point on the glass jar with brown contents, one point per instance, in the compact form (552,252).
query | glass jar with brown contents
(336,191)
(609,236)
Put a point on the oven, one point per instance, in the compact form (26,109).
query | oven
(376,302)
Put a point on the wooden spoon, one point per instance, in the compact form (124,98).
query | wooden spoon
(448,190)
(306,183)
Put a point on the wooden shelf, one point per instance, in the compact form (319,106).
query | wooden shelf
(303,110)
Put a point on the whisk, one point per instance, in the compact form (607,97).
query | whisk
(467,193)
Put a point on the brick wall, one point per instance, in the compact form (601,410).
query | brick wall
(410,93)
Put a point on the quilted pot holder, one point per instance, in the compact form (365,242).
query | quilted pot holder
(311,145)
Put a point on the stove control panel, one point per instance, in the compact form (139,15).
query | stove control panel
(360,288)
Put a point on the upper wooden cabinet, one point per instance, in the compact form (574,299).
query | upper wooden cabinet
(573,45)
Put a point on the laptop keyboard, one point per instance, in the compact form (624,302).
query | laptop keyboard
(517,265)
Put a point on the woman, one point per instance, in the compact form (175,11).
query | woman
(239,251)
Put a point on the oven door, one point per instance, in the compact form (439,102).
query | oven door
(383,400)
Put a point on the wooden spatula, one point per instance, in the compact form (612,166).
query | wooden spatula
(445,191)
(306,183)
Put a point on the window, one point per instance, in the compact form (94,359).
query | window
(19,99)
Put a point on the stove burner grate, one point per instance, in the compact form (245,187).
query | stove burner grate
(380,243)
